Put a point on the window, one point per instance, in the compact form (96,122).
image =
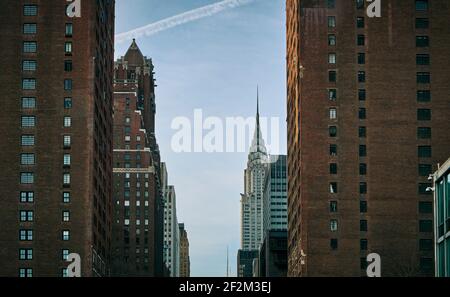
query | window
(332,76)
(127,120)
(426,226)
(68,66)
(66,216)
(362,150)
(424,114)
(421,5)
(332,94)
(331,3)
(362,114)
(27,140)
(362,206)
(67,84)
(363,263)
(423,188)
(67,122)
(333,206)
(362,169)
(361,76)
(333,188)
(424,96)
(333,150)
(333,168)
(30,10)
(425,169)
(65,254)
(334,244)
(360,22)
(28,102)
(331,22)
(422,41)
(26,197)
(66,197)
(26,215)
(27,178)
(25,272)
(422,23)
(67,141)
(333,225)
(424,133)
(67,103)
(69,30)
(424,151)
(29,46)
(332,58)
(361,40)
(362,187)
(333,113)
(138,139)
(423,59)
(66,179)
(361,58)
(359,4)
(333,131)
(363,226)
(65,235)
(27,159)
(29,84)
(425,207)
(67,159)
(29,28)
(68,48)
(423,78)
(361,94)
(29,65)
(362,132)
(26,254)
(363,244)
(331,39)
(25,235)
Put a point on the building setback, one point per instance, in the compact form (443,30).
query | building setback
(367,122)
(56,127)
(185,262)
(137,227)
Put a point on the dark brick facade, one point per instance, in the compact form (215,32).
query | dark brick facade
(358,161)
(63,58)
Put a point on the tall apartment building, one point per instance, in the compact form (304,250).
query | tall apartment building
(185,262)
(367,120)
(137,225)
(56,131)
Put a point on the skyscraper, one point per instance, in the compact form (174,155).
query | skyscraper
(137,225)
(56,127)
(185,261)
(367,120)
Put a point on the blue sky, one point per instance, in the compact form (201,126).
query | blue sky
(214,64)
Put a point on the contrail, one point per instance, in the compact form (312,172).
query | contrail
(180,19)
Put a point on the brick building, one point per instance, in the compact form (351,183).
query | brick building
(138,207)
(56,131)
(185,262)
(368,119)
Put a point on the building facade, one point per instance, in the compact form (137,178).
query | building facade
(185,261)
(57,124)
(245,260)
(441,187)
(367,103)
(137,227)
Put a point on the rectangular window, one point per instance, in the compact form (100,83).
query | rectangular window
(66,197)
(361,94)
(30,10)
(66,179)
(362,169)
(331,39)
(67,122)
(26,215)
(333,113)
(333,131)
(29,84)
(26,254)
(331,22)
(26,178)
(67,159)
(425,169)
(332,94)
(333,206)
(28,121)
(65,235)
(422,23)
(424,151)
(426,226)
(29,65)
(332,58)
(334,244)
(360,22)
(65,254)
(423,59)
(26,197)
(68,66)
(363,151)
(362,132)
(67,84)
(25,235)
(68,48)
(424,114)
(333,150)
(423,188)
(421,5)
(331,4)
(332,76)
(362,114)
(27,159)
(25,272)
(29,28)
(29,46)
(361,76)
(361,58)
(361,40)
(333,188)
(27,140)
(422,41)
(66,216)
(333,168)
(424,133)
(67,103)
(423,77)
(362,187)
(424,96)
(363,244)
(333,225)
(362,206)
(363,226)
(69,30)
(426,245)
(359,4)
(425,207)
(67,141)
(28,102)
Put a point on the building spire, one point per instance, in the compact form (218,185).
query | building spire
(258,145)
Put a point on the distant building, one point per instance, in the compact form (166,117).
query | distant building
(185,262)
(245,262)
(442,220)
(273,254)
